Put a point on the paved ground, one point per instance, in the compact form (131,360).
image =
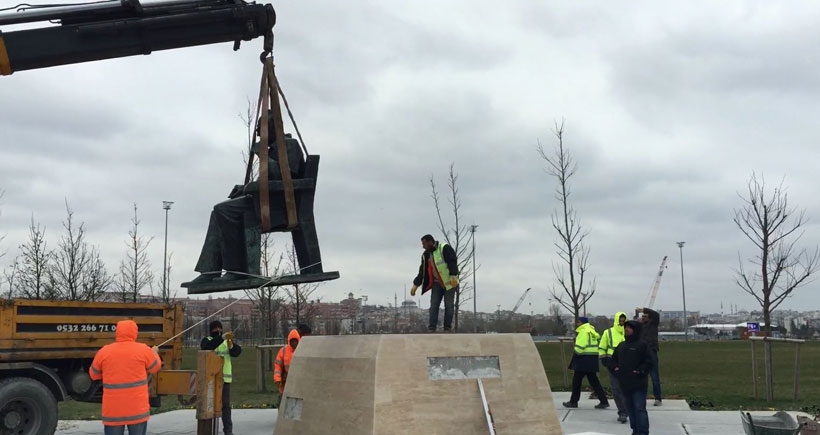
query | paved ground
(673,418)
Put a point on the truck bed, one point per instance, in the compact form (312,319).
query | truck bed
(33,330)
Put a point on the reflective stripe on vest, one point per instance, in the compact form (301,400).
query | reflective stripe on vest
(126,419)
(125,385)
(441,266)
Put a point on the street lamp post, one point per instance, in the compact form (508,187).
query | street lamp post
(166,205)
(683,290)
(475,311)
(364,314)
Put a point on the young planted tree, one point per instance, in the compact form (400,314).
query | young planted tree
(164,295)
(774,228)
(300,305)
(135,271)
(456,234)
(76,272)
(573,290)
(32,282)
(266,299)
(11,275)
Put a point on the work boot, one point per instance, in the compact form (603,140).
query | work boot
(602,405)
(658,402)
(570,405)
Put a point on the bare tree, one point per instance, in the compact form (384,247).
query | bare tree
(571,246)
(301,307)
(76,272)
(70,261)
(266,299)
(32,282)
(774,227)
(12,274)
(96,280)
(135,272)
(164,295)
(457,234)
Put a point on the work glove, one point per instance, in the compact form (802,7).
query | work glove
(413,290)
(453,281)
(228,336)
(155,349)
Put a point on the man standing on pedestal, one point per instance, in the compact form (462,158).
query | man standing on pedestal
(438,272)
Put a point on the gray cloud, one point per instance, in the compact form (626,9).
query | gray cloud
(667,113)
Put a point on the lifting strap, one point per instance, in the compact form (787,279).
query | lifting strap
(269,99)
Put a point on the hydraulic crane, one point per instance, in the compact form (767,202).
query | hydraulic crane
(653,292)
(112,29)
(119,28)
(520,301)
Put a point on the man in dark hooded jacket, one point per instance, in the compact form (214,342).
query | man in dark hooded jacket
(632,362)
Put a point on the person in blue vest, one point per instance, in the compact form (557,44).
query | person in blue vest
(438,272)
(227,349)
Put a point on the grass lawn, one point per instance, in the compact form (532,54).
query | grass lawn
(710,375)
(718,375)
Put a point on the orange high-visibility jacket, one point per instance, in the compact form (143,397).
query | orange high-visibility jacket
(123,367)
(282,364)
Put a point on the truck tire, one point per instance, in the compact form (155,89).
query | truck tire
(27,407)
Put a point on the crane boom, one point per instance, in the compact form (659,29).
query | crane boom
(654,291)
(520,300)
(114,29)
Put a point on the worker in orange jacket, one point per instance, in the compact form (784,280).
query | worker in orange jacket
(282,364)
(123,367)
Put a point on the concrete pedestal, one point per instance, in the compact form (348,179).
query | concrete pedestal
(411,384)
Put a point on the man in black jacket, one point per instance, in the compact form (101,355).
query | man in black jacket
(651,320)
(438,272)
(227,349)
(631,362)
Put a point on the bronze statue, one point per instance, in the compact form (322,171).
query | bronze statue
(232,242)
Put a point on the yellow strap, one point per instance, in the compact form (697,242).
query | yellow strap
(5,64)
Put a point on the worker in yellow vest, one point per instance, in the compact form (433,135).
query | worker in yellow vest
(585,364)
(610,339)
(227,349)
(438,272)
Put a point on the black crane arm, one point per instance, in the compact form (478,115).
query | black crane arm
(113,29)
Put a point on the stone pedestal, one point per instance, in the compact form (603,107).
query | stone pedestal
(416,384)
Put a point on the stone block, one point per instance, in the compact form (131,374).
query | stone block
(410,384)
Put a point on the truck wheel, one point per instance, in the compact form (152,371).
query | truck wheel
(27,407)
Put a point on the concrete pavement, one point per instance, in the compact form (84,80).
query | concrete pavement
(673,418)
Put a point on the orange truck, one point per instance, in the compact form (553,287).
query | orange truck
(46,348)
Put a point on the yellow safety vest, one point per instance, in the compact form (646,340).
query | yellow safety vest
(586,342)
(222,350)
(441,266)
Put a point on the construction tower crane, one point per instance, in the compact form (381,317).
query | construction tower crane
(654,291)
(520,301)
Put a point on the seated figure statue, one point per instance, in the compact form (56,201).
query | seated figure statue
(226,246)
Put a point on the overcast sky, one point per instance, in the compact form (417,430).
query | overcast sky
(669,107)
